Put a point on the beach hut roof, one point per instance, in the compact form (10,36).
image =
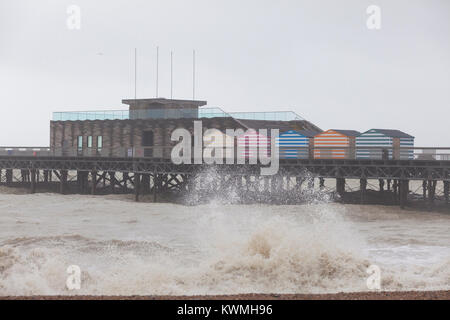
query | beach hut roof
(264,124)
(348,133)
(308,133)
(392,133)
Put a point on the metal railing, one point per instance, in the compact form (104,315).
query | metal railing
(364,153)
(263,115)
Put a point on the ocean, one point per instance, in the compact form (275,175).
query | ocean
(128,248)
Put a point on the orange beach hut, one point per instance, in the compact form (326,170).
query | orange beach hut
(335,144)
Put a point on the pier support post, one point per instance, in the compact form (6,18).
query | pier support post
(273,185)
(266,184)
(381,182)
(190,183)
(363,189)
(431,191)
(85,180)
(395,190)
(311,184)
(403,194)
(340,186)
(401,191)
(82,177)
(156,184)
(33,181)
(321,183)
(9,177)
(112,181)
(94,182)
(424,189)
(145,184)
(24,175)
(125,179)
(63,181)
(298,183)
(446,191)
(137,185)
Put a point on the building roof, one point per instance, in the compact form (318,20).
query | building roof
(298,125)
(348,133)
(164,101)
(392,133)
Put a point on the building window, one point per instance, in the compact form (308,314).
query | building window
(80,142)
(89,142)
(99,142)
(147,143)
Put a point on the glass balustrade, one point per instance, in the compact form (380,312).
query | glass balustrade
(173,114)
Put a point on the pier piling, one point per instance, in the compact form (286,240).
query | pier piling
(112,181)
(137,186)
(381,182)
(33,181)
(321,183)
(340,186)
(94,182)
(403,193)
(446,191)
(424,189)
(431,192)
(363,189)
(63,181)
(145,184)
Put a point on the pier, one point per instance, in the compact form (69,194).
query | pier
(38,168)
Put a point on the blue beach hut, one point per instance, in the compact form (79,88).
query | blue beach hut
(385,144)
(295,144)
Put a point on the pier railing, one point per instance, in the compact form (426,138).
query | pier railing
(164,152)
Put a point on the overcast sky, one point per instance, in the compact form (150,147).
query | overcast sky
(317,58)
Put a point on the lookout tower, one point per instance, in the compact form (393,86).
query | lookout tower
(161,108)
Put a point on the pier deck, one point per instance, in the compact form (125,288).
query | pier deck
(325,168)
(158,175)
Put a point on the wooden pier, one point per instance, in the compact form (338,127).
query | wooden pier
(154,176)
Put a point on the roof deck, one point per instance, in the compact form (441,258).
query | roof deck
(175,113)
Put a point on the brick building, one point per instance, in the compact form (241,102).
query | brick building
(145,128)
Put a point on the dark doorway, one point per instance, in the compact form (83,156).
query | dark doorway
(147,143)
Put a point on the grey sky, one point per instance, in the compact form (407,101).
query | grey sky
(315,57)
